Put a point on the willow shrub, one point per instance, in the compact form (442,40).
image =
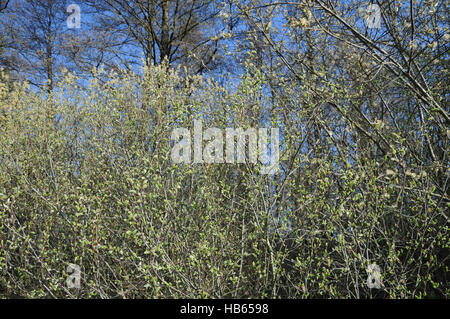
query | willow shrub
(86,178)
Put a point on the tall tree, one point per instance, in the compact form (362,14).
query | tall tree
(3,6)
(39,43)
(181,32)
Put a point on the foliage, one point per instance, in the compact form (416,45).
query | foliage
(86,175)
(86,178)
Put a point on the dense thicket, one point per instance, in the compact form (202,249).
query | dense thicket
(86,175)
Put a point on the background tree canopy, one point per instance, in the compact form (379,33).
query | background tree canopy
(86,176)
